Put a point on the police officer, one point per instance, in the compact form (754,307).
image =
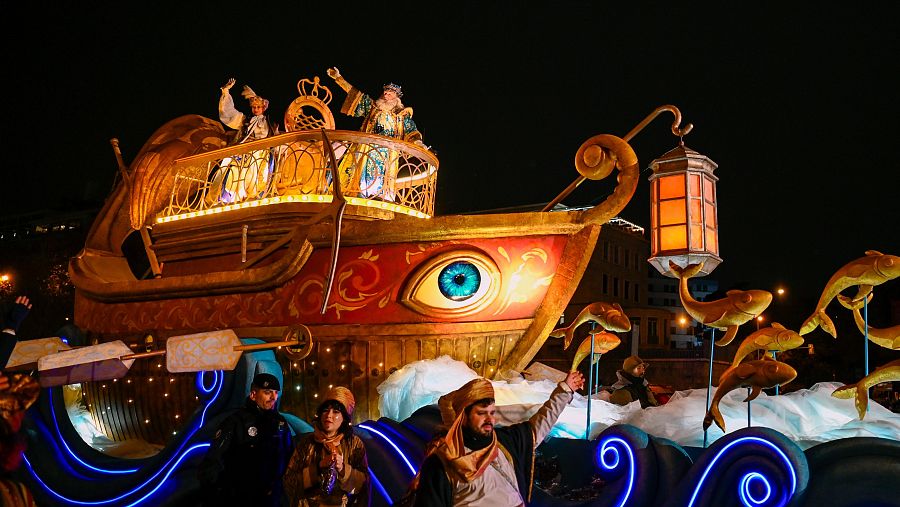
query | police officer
(250,451)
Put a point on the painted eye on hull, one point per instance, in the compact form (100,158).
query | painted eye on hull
(459,281)
(453,284)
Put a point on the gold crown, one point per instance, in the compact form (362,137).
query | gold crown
(394,88)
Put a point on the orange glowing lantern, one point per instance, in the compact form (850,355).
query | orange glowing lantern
(683,221)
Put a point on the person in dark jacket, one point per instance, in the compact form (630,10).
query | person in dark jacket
(250,451)
(10,326)
(632,385)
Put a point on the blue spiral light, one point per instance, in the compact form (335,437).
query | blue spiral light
(744,489)
(746,480)
(600,458)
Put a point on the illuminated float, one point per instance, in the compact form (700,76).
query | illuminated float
(379,282)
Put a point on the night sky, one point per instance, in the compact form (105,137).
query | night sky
(797,105)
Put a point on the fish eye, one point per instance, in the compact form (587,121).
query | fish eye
(456,283)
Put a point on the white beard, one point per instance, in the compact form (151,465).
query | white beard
(388,106)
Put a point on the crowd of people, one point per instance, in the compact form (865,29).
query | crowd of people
(253,460)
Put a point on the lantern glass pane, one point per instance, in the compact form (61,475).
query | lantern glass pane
(653,204)
(696,211)
(697,237)
(709,190)
(673,238)
(672,212)
(711,215)
(712,243)
(671,186)
(694,185)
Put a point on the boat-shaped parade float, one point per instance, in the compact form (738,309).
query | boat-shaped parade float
(259,260)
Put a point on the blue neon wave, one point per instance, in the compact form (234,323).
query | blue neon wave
(600,458)
(380,487)
(166,477)
(218,378)
(71,453)
(412,469)
(709,467)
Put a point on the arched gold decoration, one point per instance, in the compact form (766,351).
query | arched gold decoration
(421,292)
(310,110)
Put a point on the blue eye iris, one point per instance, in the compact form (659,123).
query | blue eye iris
(459,280)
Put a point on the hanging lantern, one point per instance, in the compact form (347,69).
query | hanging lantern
(683,217)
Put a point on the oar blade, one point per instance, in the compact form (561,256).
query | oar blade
(85,364)
(28,352)
(213,350)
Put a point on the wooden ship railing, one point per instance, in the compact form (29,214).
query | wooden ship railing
(294,167)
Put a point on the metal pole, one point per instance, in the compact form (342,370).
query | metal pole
(866,346)
(587,424)
(775,357)
(712,352)
(748,408)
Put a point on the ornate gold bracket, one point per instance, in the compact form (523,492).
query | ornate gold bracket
(597,157)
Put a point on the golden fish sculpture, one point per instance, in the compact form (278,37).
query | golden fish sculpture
(726,314)
(776,337)
(873,269)
(609,316)
(603,343)
(860,390)
(760,374)
(888,337)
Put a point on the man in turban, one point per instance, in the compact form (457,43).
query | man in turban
(479,465)
(329,466)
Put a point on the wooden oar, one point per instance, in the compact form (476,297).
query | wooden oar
(27,352)
(213,350)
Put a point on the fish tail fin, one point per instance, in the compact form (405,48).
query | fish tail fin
(570,335)
(810,324)
(862,401)
(826,324)
(818,319)
(845,392)
(688,271)
(713,415)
